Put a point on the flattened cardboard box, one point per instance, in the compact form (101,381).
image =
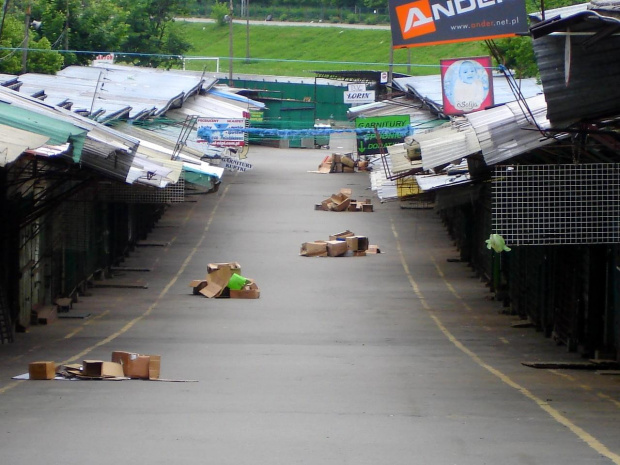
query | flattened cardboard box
(42,370)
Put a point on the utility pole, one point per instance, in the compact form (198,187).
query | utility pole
(26,39)
(245,9)
(230,45)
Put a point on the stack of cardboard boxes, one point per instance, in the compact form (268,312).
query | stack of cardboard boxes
(342,201)
(343,244)
(218,283)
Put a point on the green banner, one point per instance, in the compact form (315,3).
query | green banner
(367,144)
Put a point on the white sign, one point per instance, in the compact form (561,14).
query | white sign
(367,96)
(109,58)
(232,164)
(356,87)
(222,132)
(384,77)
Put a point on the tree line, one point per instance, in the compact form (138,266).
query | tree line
(43,36)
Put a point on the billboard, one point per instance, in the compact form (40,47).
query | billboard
(466,84)
(367,143)
(432,22)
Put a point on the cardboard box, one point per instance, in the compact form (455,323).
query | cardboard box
(347,161)
(357,243)
(339,202)
(314,249)
(198,285)
(234,267)
(336,248)
(373,249)
(216,283)
(342,234)
(154,366)
(138,366)
(42,370)
(101,369)
(249,291)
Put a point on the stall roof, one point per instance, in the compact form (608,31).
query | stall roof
(510,130)
(575,47)
(112,92)
(447,144)
(428,88)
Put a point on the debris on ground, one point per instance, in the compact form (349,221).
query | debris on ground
(122,365)
(225,280)
(342,244)
(342,201)
(337,163)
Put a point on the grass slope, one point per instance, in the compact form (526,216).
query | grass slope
(300,50)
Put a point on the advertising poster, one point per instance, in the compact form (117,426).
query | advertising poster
(367,143)
(467,85)
(222,132)
(432,22)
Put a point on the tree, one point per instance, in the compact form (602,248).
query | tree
(44,61)
(153,40)
(517,54)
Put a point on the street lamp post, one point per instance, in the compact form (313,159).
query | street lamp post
(230,45)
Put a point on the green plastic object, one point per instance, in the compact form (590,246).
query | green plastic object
(236,282)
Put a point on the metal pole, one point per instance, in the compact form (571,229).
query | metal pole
(26,38)
(247,30)
(230,45)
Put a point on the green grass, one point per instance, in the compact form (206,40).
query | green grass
(301,50)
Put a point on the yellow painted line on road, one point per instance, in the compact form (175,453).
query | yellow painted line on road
(609,398)
(150,309)
(582,434)
(504,340)
(86,323)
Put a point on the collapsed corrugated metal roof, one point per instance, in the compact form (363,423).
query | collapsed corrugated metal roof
(113,92)
(510,130)
(446,144)
(428,89)
(14,142)
(576,47)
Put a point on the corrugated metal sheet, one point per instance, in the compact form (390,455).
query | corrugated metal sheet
(428,88)
(507,131)
(398,159)
(430,182)
(379,183)
(113,92)
(446,145)
(579,61)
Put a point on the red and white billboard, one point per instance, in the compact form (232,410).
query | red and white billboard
(432,22)
(467,85)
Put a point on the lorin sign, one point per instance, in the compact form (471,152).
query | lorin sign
(357,93)
(467,85)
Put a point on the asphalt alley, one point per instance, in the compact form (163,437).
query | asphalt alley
(397,358)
